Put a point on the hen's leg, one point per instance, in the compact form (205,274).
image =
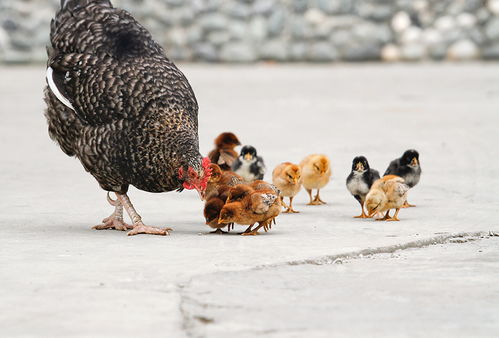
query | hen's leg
(115,220)
(138,226)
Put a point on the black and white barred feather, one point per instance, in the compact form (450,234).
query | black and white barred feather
(116,102)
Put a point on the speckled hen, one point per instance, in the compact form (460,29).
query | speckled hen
(117,103)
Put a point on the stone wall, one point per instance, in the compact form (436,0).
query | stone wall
(284,30)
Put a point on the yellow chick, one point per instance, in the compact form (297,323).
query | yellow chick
(316,173)
(287,178)
(389,192)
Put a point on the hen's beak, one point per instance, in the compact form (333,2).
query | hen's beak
(248,157)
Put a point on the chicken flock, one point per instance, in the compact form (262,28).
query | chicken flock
(129,115)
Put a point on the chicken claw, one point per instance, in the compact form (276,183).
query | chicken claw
(115,220)
(140,228)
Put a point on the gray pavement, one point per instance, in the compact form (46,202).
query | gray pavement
(59,278)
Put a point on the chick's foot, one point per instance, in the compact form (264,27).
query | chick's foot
(408,205)
(218,231)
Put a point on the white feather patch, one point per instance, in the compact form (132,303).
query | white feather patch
(55,90)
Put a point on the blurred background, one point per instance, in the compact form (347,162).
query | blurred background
(247,31)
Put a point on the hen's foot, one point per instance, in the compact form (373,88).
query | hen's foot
(140,228)
(113,222)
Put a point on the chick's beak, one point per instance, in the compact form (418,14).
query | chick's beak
(359,167)
(414,161)
(248,157)
(220,220)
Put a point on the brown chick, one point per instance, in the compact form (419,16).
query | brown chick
(211,213)
(224,154)
(287,178)
(389,192)
(316,173)
(220,178)
(246,206)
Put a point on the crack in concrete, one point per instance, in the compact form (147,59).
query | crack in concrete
(191,322)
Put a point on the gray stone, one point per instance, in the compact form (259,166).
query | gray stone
(299,6)
(174,3)
(341,38)
(301,29)
(322,52)
(413,52)
(263,7)
(242,52)
(298,51)
(238,10)
(335,6)
(277,49)
(463,50)
(194,34)
(276,22)
(374,11)
(213,21)
(492,29)
(238,29)
(258,28)
(438,52)
(491,52)
(362,52)
(218,37)
(472,5)
(482,15)
(206,52)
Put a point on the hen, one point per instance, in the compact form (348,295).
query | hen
(118,104)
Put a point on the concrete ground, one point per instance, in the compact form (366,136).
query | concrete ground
(434,273)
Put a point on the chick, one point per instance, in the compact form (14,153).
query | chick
(247,206)
(316,172)
(389,192)
(408,167)
(224,154)
(211,212)
(287,178)
(360,181)
(220,178)
(249,165)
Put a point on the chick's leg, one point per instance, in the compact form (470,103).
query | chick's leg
(363,214)
(290,207)
(394,217)
(115,220)
(313,201)
(254,232)
(408,205)
(138,226)
(318,198)
(387,216)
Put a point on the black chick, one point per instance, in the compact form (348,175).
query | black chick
(408,167)
(249,165)
(118,104)
(360,181)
